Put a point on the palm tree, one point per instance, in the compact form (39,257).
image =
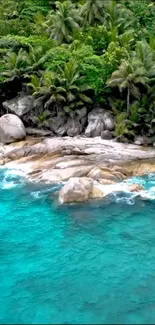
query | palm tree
(67,88)
(75,87)
(48,86)
(16,64)
(23,63)
(146,56)
(37,56)
(118,16)
(129,76)
(127,38)
(64,22)
(92,11)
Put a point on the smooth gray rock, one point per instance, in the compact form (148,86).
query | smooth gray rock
(107,135)
(95,123)
(11,128)
(109,121)
(98,121)
(61,126)
(62,130)
(139,140)
(83,121)
(121,139)
(144,140)
(81,113)
(74,127)
(76,190)
(19,105)
(150,140)
(39,104)
(56,123)
(38,132)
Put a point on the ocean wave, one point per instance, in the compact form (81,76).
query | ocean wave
(121,192)
(11,178)
(42,192)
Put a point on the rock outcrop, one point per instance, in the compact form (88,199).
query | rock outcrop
(19,105)
(76,190)
(56,124)
(61,126)
(82,189)
(11,128)
(105,173)
(77,157)
(74,127)
(106,135)
(109,121)
(95,123)
(98,121)
(97,192)
(144,140)
(38,132)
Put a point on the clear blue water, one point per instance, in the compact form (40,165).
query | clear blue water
(89,263)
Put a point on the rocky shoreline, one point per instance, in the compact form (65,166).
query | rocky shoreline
(20,116)
(55,160)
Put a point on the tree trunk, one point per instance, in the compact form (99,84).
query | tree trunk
(128,102)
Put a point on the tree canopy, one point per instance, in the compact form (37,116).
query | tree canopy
(83,53)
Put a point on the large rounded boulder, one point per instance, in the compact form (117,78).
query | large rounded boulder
(99,120)
(11,128)
(76,190)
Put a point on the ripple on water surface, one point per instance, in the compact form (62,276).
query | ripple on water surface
(88,263)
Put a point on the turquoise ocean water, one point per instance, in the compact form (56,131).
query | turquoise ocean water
(88,263)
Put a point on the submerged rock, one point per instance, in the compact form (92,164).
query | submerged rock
(11,128)
(136,188)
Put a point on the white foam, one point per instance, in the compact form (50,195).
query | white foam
(128,200)
(152,189)
(21,170)
(36,195)
(108,189)
(7,185)
(10,178)
(14,172)
(42,192)
(116,189)
(25,168)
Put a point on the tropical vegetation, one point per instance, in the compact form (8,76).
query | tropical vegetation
(83,53)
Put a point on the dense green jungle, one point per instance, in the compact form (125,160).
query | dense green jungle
(74,57)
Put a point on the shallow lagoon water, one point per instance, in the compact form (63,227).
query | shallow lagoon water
(87,263)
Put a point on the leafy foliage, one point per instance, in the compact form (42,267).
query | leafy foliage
(83,53)
(66,87)
(64,22)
